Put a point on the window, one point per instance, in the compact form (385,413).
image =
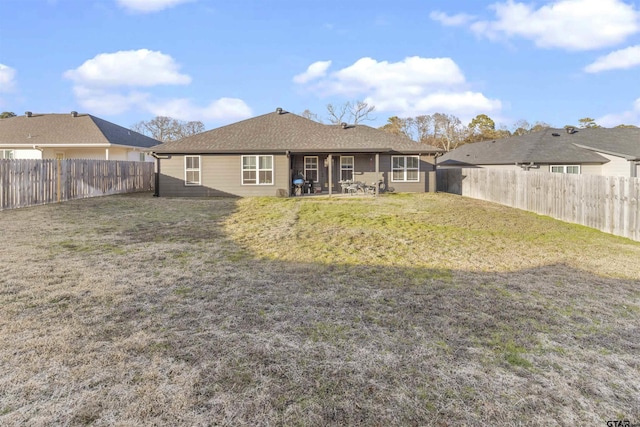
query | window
(257,170)
(346,168)
(6,154)
(143,157)
(311,168)
(565,169)
(191,170)
(405,168)
(59,155)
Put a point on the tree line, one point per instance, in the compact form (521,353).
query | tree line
(440,130)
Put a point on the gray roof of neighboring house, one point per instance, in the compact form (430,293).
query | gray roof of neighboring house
(549,146)
(280,132)
(65,129)
(621,142)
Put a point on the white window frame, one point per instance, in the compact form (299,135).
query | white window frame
(564,169)
(404,169)
(316,169)
(347,167)
(7,154)
(257,169)
(187,182)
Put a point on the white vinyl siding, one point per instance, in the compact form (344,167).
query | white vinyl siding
(346,168)
(405,168)
(257,170)
(192,170)
(565,169)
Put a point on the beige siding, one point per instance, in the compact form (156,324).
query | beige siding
(617,166)
(591,169)
(115,153)
(221,175)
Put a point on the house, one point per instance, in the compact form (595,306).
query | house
(70,136)
(595,151)
(261,156)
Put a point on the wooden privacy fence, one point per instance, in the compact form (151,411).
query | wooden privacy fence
(607,203)
(36,182)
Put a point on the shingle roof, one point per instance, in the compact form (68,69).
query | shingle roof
(289,132)
(548,146)
(623,142)
(64,129)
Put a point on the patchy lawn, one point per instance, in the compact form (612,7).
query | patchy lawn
(399,310)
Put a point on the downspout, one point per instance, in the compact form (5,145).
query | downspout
(330,158)
(634,168)
(156,191)
(41,150)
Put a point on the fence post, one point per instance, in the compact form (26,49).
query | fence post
(58,180)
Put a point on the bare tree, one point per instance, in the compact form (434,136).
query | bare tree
(523,127)
(449,131)
(423,125)
(444,131)
(167,129)
(359,111)
(337,113)
(355,112)
(307,114)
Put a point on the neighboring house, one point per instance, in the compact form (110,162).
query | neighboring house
(261,156)
(594,151)
(70,136)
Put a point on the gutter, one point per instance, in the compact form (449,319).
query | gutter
(304,150)
(17,146)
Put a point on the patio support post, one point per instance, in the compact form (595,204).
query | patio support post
(377,184)
(330,161)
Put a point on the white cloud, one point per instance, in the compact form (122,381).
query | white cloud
(451,20)
(223,109)
(620,59)
(565,24)
(110,102)
(314,71)
(110,84)
(7,78)
(409,87)
(629,117)
(141,67)
(147,6)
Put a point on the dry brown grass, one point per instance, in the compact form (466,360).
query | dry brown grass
(400,310)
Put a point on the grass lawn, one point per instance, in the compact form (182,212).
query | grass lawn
(426,309)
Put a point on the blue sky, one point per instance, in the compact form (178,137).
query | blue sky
(222,61)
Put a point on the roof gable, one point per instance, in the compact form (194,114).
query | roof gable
(284,131)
